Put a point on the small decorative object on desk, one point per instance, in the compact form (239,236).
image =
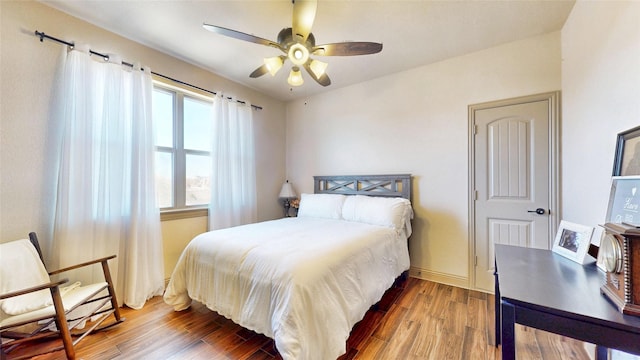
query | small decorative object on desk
(572,241)
(624,200)
(286,194)
(627,158)
(620,248)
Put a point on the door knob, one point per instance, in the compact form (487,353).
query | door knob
(539,211)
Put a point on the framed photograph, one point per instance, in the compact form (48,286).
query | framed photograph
(572,241)
(627,158)
(624,200)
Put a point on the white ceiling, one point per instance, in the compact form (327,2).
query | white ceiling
(413,33)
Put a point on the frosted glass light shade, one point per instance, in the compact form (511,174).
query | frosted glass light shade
(318,67)
(298,54)
(273,64)
(295,77)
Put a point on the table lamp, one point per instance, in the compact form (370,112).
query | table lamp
(287,193)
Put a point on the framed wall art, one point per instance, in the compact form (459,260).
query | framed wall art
(627,158)
(572,241)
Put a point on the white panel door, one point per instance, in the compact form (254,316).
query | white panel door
(512,181)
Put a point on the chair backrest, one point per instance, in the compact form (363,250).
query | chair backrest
(34,241)
(20,268)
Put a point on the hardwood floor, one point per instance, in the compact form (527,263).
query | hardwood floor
(421,320)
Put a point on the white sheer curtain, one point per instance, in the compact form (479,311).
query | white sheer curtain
(233,179)
(105,202)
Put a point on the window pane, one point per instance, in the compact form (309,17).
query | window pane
(197,124)
(198,181)
(163,117)
(164,179)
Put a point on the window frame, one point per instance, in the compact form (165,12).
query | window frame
(179,208)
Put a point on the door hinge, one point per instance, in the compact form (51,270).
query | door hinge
(475,195)
(475,129)
(475,261)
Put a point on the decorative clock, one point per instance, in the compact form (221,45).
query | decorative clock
(620,254)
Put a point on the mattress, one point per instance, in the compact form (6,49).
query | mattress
(303,282)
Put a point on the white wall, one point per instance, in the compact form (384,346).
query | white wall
(417,122)
(601,97)
(28,67)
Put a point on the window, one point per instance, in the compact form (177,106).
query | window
(182,123)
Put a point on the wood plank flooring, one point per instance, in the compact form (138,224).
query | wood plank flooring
(418,320)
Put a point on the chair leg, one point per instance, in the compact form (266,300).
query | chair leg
(112,291)
(2,354)
(61,323)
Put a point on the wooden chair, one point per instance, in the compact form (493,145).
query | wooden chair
(32,306)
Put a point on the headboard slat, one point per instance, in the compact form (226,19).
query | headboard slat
(395,185)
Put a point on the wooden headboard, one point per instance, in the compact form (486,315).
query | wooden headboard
(396,185)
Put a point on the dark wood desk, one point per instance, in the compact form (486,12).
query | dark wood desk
(544,290)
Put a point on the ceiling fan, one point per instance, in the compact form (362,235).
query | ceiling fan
(298,43)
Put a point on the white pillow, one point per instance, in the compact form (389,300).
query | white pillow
(328,206)
(392,212)
(21,268)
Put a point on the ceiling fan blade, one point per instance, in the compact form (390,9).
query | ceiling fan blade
(304,13)
(259,71)
(241,36)
(322,80)
(347,48)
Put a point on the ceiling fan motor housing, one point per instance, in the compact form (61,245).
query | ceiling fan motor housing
(285,38)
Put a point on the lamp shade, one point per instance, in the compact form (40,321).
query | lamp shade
(298,54)
(318,67)
(295,77)
(273,64)
(287,191)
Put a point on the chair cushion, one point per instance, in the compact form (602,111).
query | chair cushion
(21,268)
(72,298)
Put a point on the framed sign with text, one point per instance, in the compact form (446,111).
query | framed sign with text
(624,200)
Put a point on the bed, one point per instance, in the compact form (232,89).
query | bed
(304,281)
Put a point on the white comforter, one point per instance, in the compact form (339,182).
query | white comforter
(302,281)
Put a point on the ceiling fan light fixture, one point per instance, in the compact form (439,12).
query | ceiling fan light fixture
(318,67)
(297,44)
(298,54)
(273,64)
(295,77)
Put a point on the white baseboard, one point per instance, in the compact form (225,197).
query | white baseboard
(448,279)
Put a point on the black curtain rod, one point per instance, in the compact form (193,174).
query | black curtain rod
(43,36)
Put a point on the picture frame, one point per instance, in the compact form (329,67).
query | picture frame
(624,200)
(600,257)
(627,156)
(572,241)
